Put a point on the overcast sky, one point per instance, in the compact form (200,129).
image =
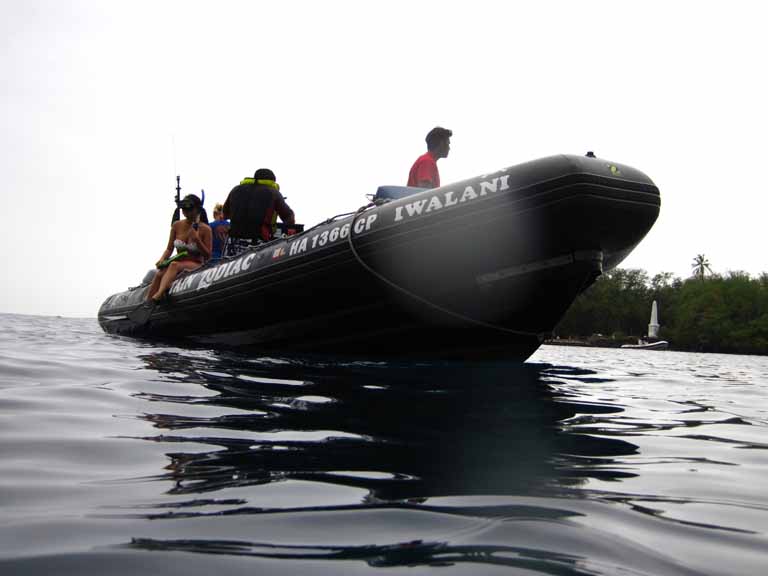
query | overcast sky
(104,102)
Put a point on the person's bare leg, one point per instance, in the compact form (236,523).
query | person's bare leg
(155,283)
(170,275)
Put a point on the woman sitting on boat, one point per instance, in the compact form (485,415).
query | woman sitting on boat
(192,240)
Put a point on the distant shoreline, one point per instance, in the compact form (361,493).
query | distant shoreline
(570,342)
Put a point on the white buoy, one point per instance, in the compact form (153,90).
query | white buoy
(653,327)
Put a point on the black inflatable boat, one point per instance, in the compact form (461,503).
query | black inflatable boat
(483,268)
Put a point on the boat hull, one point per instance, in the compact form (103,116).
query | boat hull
(483,268)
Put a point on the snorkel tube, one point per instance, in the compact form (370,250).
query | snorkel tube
(203,213)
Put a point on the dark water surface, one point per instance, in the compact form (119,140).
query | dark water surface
(123,457)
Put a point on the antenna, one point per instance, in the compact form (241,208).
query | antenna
(173,144)
(177,212)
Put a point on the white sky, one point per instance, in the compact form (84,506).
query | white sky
(104,102)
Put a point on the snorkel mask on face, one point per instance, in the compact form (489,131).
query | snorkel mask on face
(189,202)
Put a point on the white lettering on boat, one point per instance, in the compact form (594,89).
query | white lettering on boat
(298,247)
(364,224)
(434,204)
(445,199)
(469,194)
(415,208)
(182,284)
(214,274)
(324,237)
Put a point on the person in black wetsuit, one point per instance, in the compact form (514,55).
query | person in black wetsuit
(251,207)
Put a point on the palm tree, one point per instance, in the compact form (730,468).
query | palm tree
(701,266)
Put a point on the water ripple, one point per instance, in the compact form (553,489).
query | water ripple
(582,461)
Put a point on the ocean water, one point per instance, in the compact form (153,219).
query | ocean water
(127,457)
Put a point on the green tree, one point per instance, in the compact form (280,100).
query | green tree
(727,313)
(700,266)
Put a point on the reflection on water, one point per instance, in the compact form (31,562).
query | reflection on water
(430,438)
(400,433)
(406,554)
(133,457)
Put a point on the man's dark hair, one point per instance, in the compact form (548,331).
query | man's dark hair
(264,174)
(436,136)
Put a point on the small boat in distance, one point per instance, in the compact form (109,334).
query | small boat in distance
(645,345)
(481,268)
(652,342)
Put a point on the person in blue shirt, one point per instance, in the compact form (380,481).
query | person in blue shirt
(220,229)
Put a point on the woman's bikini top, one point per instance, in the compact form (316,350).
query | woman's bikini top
(182,246)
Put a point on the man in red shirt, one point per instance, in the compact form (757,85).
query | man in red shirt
(424,173)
